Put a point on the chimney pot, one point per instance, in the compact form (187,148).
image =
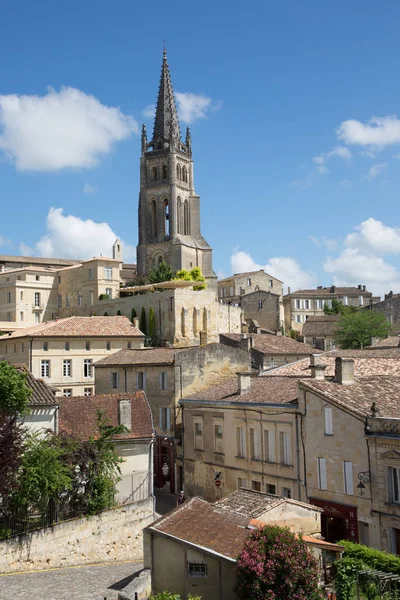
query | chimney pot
(136,322)
(344,371)
(333,289)
(244,382)
(360,287)
(317,368)
(364,288)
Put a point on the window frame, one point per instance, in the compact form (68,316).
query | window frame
(240,442)
(394,482)
(197,569)
(322,473)
(115,380)
(45,366)
(198,439)
(67,367)
(87,368)
(141,375)
(218,438)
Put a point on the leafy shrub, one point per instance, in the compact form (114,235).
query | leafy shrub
(372,559)
(104,297)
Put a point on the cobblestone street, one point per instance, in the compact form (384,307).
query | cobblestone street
(95,582)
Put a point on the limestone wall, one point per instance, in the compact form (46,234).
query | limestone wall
(114,535)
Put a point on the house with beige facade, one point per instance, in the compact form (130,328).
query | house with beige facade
(319,331)
(301,304)
(78,417)
(167,374)
(62,352)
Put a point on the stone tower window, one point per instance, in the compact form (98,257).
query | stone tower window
(179,214)
(166,208)
(186,227)
(178,172)
(154,219)
(154,173)
(184,174)
(164,172)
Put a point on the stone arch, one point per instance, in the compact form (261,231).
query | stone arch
(205,320)
(164,172)
(196,316)
(167,217)
(186,218)
(178,172)
(184,174)
(153,210)
(154,173)
(179,214)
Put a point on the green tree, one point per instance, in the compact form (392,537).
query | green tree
(356,329)
(14,392)
(133,314)
(194,274)
(338,308)
(275,563)
(143,321)
(152,322)
(163,273)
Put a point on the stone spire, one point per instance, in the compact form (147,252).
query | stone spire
(166,125)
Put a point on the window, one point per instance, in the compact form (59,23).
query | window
(256,486)
(231,290)
(8,297)
(218,438)
(255,446)
(37,317)
(45,368)
(154,173)
(345,300)
(67,302)
(21,316)
(271,283)
(22,347)
(163,380)
(286,492)
(107,272)
(66,346)
(198,433)
(108,345)
(249,281)
(270,488)
(165,418)
(37,299)
(240,442)
(260,304)
(297,303)
(285,448)
(129,345)
(241,483)
(197,569)
(328,420)
(21,295)
(164,171)
(269,446)
(320,304)
(178,172)
(328,303)
(91,296)
(322,483)
(115,380)
(171,303)
(298,318)
(79,299)
(67,367)
(394,484)
(59,280)
(348,478)
(67,392)
(88,391)
(109,292)
(140,380)
(87,346)
(360,300)
(37,277)
(307,304)
(90,274)
(45,346)
(59,301)
(87,367)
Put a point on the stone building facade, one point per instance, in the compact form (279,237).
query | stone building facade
(169,208)
(390,307)
(264,307)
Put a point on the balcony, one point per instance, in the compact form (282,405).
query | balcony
(38,307)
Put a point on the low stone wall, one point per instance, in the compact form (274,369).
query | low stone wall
(113,535)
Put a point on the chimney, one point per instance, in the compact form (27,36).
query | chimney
(244,382)
(319,287)
(245,342)
(360,287)
(344,371)
(333,289)
(364,288)
(317,368)
(203,338)
(136,322)
(288,290)
(125,413)
(375,340)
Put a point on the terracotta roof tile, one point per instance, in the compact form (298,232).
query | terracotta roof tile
(252,504)
(271,344)
(390,342)
(37,260)
(320,325)
(81,327)
(326,291)
(78,414)
(42,394)
(144,356)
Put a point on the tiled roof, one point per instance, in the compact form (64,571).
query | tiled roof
(34,269)
(384,391)
(42,394)
(205,525)
(320,326)
(81,327)
(390,342)
(272,344)
(240,275)
(37,260)
(277,390)
(145,356)
(326,291)
(253,504)
(78,415)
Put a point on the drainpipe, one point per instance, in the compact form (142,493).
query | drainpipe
(30,354)
(298,457)
(125,380)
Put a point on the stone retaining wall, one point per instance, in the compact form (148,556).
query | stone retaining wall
(113,535)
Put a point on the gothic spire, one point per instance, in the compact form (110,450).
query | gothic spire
(166,124)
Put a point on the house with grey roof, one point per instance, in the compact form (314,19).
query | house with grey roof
(319,331)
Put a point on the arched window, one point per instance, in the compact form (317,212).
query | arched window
(184,174)
(164,171)
(179,214)
(178,172)
(160,260)
(166,212)
(154,218)
(154,173)
(186,224)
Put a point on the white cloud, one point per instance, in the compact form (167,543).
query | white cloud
(373,237)
(284,268)
(65,129)
(68,236)
(4,241)
(149,111)
(375,170)
(192,107)
(324,241)
(321,159)
(89,189)
(378,131)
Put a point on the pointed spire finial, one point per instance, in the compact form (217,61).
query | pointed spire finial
(166,125)
(165,52)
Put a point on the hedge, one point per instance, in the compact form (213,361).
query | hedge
(374,559)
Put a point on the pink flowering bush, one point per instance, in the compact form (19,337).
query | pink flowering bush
(275,564)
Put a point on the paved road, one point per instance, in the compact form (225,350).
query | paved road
(76,583)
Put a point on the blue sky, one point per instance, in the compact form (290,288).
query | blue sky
(292,107)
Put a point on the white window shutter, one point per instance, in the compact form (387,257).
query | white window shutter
(144,380)
(161,418)
(161,380)
(271,446)
(137,380)
(348,478)
(328,420)
(168,414)
(257,445)
(288,449)
(322,473)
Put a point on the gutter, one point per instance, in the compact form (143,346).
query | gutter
(189,402)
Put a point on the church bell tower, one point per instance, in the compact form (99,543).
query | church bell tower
(169,208)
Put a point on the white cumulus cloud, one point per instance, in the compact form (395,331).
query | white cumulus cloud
(321,160)
(285,268)
(89,189)
(378,131)
(65,129)
(375,170)
(192,107)
(68,236)
(373,237)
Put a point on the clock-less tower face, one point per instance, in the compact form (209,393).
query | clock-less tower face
(169,208)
